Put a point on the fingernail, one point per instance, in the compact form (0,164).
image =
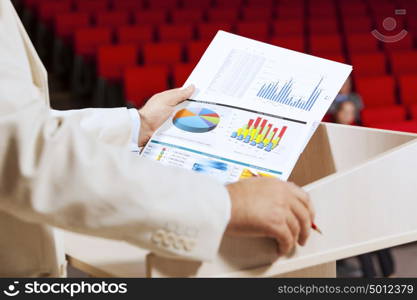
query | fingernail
(188,87)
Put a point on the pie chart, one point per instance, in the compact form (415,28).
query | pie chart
(196,120)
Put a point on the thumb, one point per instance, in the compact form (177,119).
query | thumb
(180,94)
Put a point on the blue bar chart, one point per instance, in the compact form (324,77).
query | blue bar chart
(282,93)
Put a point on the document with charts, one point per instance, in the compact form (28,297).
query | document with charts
(253,112)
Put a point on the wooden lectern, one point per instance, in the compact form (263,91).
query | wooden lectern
(363,184)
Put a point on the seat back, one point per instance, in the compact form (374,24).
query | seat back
(140,83)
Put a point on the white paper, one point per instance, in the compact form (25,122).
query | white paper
(254,110)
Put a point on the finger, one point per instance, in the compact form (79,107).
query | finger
(304,220)
(176,96)
(284,238)
(304,197)
(294,226)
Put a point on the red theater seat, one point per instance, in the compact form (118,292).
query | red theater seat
(257,14)
(31,4)
(91,5)
(173,33)
(254,30)
(334,57)
(162,53)
(393,113)
(137,34)
(293,27)
(140,83)
(261,3)
(112,60)
(187,16)
(412,23)
(229,3)
(112,18)
(208,31)
(48,9)
(357,24)
(362,43)
(196,49)
(405,126)
(382,8)
(163,4)
(413,112)
(405,43)
(369,64)
(87,40)
(196,4)
(66,24)
(290,11)
(295,43)
(127,5)
(156,17)
(223,15)
(376,91)
(404,62)
(181,72)
(323,26)
(408,89)
(320,44)
(319,9)
(352,8)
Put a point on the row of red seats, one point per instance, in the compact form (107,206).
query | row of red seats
(375,117)
(112,60)
(191,17)
(299,8)
(363,48)
(376,90)
(401,63)
(94,5)
(47,8)
(66,24)
(47,12)
(376,64)
(381,91)
(406,126)
(137,86)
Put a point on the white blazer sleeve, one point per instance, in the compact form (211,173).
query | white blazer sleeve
(106,123)
(53,171)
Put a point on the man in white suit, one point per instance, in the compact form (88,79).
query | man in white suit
(73,170)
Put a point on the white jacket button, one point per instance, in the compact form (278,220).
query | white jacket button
(158,236)
(182,241)
(165,241)
(177,244)
(170,239)
(189,245)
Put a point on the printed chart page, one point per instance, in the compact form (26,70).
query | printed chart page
(253,112)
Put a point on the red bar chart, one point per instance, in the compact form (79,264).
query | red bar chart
(260,133)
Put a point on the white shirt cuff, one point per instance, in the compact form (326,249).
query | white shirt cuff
(135,119)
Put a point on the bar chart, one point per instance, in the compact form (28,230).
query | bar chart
(283,93)
(260,133)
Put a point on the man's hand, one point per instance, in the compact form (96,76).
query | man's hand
(270,208)
(158,109)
